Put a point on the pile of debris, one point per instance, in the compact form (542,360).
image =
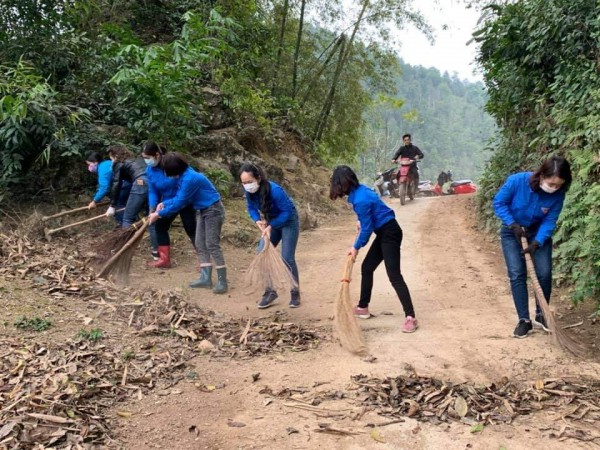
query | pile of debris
(436,401)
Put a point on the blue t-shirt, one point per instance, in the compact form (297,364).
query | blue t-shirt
(516,202)
(371,211)
(104,180)
(194,189)
(282,206)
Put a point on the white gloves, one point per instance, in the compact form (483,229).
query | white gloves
(110,212)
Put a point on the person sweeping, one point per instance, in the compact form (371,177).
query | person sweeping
(279,223)
(528,204)
(374,216)
(195,189)
(103,169)
(160,189)
(129,170)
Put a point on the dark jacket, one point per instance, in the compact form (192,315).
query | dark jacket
(132,170)
(408,151)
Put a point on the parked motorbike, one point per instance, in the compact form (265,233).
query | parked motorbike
(426,189)
(407,184)
(386,183)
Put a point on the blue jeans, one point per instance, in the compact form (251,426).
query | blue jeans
(288,236)
(138,203)
(517,271)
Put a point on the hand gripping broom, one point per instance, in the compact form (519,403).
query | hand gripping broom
(346,325)
(559,336)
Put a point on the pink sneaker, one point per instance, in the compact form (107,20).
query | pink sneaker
(410,325)
(361,313)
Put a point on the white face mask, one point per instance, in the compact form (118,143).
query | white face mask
(251,187)
(548,189)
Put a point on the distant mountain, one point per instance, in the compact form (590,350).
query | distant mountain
(445,116)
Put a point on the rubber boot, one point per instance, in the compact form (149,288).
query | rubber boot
(164,258)
(221,286)
(205,279)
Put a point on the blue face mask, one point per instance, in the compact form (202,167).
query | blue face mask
(151,162)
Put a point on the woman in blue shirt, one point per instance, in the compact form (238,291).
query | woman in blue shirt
(374,216)
(528,204)
(160,189)
(195,190)
(279,221)
(103,168)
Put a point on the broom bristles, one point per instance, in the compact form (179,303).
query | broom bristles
(346,325)
(113,241)
(268,270)
(559,336)
(117,268)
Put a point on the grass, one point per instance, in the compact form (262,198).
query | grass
(93,335)
(33,324)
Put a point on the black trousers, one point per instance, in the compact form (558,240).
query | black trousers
(188,219)
(386,248)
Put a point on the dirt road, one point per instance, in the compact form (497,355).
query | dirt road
(466,318)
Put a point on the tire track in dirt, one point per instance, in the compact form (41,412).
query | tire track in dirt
(462,301)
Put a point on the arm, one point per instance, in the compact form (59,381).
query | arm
(549,222)
(397,154)
(253,211)
(153,197)
(365,219)
(104,182)
(419,153)
(185,194)
(502,201)
(115,191)
(285,205)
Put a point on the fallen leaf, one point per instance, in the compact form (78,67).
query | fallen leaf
(49,418)
(460,405)
(291,430)
(477,428)
(125,414)
(376,436)
(539,384)
(255,376)
(234,424)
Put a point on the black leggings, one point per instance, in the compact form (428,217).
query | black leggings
(386,248)
(188,219)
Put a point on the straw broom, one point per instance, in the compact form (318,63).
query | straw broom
(117,267)
(268,270)
(559,336)
(346,325)
(109,244)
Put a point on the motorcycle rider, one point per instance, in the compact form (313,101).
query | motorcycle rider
(408,150)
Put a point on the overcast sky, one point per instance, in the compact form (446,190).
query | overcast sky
(450,51)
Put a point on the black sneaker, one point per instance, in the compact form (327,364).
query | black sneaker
(295,299)
(523,329)
(155,255)
(540,321)
(267,300)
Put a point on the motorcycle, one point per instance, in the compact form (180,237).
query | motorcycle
(386,183)
(407,185)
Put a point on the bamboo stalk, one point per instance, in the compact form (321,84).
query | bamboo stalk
(49,232)
(560,338)
(71,211)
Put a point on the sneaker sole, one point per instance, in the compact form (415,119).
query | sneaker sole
(541,325)
(363,316)
(266,306)
(410,331)
(294,306)
(524,336)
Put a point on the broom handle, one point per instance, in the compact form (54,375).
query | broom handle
(74,224)
(133,241)
(71,211)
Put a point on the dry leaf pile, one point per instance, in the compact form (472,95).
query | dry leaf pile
(437,401)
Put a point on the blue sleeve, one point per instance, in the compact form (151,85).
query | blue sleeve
(185,195)
(284,204)
(502,200)
(365,217)
(253,211)
(153,197)
(549,222)
(104,182)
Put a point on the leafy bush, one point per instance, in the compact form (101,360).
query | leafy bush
(33,324)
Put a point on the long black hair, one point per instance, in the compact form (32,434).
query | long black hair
(174,164)
(343,181)
(556,166)
(264,187)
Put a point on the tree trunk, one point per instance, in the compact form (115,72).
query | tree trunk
(320,72)
(297,51)
(324,116)
(286,5)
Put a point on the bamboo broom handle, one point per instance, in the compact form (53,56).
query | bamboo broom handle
(71,211)
(74,224)
(131,242)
